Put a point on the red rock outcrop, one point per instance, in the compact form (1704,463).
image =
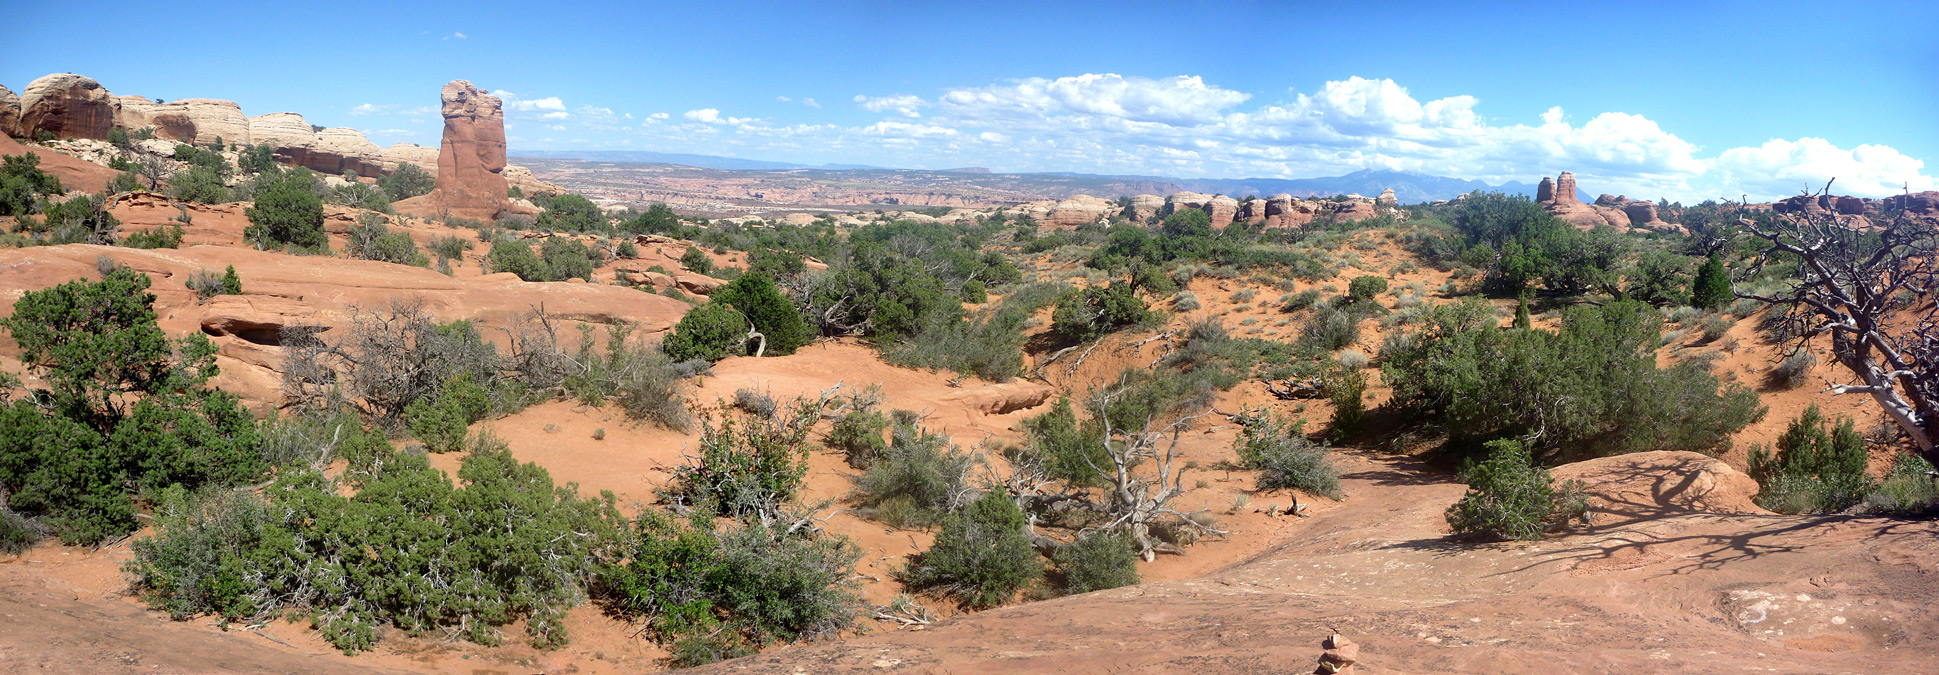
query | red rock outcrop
(1143,207)
(471,158)
(1559,198)
(199,121)
(75,173)
(1222,208)
(68,106)
(1079,210)
(9,112)
(331,151)
(1252,210)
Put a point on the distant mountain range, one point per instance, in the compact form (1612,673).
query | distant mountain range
(1409,187)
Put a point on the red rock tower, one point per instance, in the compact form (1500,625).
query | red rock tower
(471,158)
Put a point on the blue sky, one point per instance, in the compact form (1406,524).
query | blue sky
(1680,99)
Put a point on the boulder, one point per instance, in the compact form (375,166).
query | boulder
(197,121)
(9,112)
(1850,206)
(1144,207)
(68,106)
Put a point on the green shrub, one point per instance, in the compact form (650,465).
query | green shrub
(1712,286)
(980,557)
(916,481)
(1907,489)
(1346,389)
(124,410)
(1510,498)
(404,547)
(1070,450)
(517,257)
(23,184)
(370,239)
(1589,389)
(767,311)
(288,213)
(710,593)
(572,213)
(624,249)
(118,137)
(126,181)
(1097,311)
(707,332)
(164,236)
(1302,300)
(1285,457)
(1329,329)
(748,464)
(1714,327)
(406,181)
(17,532)
(261,158)
(858,434)
(566,258)
(1184,301)
(988,346)
(696,261)
(450,248)
(1815,470)
(440,426)
(1795,369)
(1363,289)
(1097,561)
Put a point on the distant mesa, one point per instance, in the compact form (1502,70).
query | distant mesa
(968,169)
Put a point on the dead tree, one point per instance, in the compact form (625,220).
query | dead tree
(1140,498)
(1870,289)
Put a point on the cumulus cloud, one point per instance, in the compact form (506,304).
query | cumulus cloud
(459,36)
(901,104)
(555,115)
(518,103)
(810,102)
(1177,101)
(1185,126)
(1781,167)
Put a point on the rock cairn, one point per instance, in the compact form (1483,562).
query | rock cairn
(1339,656)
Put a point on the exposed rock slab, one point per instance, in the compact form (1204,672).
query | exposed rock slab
(68,106)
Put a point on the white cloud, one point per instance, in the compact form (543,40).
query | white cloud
(555,115)
(459,36)
(902,104)
(810,102)
(1785,168)
(367,109)
(1187,127)
(1176,101)
(521,104)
